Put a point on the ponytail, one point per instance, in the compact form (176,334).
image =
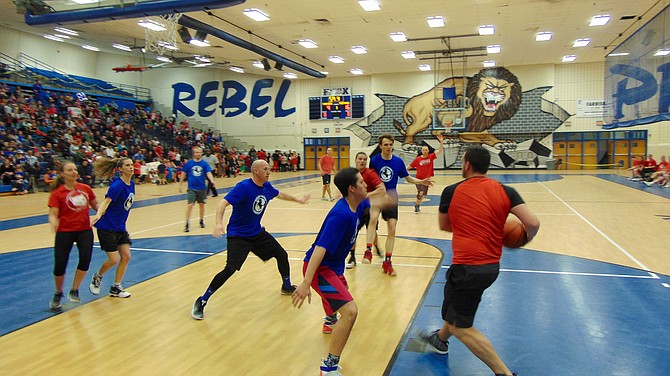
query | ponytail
(105,167)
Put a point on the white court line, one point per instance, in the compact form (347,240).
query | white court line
(665,285)
(650,276)
(615,244)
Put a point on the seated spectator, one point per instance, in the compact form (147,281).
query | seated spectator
(19,182)
(660,177)
(49,178)
(86,174)
(649,166)
(636,169)
(161,169)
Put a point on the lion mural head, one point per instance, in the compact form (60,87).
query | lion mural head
(494,95)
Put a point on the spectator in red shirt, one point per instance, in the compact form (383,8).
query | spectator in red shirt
(424,165)
(327,168)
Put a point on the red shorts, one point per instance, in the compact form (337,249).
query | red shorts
(331,287)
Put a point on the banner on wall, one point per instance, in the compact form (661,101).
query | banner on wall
(590,108)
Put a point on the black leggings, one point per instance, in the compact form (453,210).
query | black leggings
(63,246)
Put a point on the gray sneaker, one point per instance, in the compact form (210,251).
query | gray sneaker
(73,296)
(118,292)
(434,342)
(94,287)
(198,311)
(55,302)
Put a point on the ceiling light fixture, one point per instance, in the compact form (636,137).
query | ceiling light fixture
(164,59)
(199,39)
(122,47)
(257,64)
(166,45)
(53,37)
(336,59)
(308,43)
(493,49)
(662,52)
(256,14)
(357,71)
(85,1)
(424,67)
(323,72)
(359,50)
(581,42)
(90,48)
(543,36)
(435,21)
(62,36)
(487,30)
(398,37)
(237,69)
(614,54)
(369,5)
(208,64)
(569,58)
(489,63)
(204,59)
(290,75)
(66,31)
(408,54)
(151,25)
(600,20)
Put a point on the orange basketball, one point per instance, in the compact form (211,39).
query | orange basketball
(514,235)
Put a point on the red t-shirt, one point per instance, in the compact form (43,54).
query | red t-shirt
(72,207)
(424,166)
(371,179)
(327,164)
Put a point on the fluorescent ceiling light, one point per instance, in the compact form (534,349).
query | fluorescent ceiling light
(164,59)
(85,1)
(613,54)
(237,69)
(204,59)
(369,5)
(53,37)
(151,25)
(600,20)
(487,30)
(569,58)
(91,48)
(489,63)
(208,64)
(62,36)
(581,42)
(258,64)
(398,37)
(169,46)
(436,21)
(66,31)
(424,67)
(359,50)
(543,36)
(122,47)
(662,52)
(308,43)
(290,75)
(256,14)
(493,49)
(336,59)
(408,54)
(199,43)
(356,71)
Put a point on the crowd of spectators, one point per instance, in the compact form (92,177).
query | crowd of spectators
(648,171)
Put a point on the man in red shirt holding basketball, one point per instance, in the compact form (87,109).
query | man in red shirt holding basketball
(327,168)
(475,211)
(424,169)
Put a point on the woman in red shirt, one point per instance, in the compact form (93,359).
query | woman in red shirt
(68,217)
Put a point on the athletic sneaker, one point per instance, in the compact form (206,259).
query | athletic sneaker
(202,223)
(351,263)
(198,311)
(73,296)
(288,290)
(118,292)
(94,287)
(324,199)
(434,342)
(387,267)
(55,302)
(332,199)
(186,228)
(367,257)
(648,183)
(330,371)
(328,323)
(416,209)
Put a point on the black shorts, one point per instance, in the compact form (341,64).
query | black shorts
(193,195)
(325,179)
(463,292)
(421,190)
(110,240)
(263,245)
(390,212)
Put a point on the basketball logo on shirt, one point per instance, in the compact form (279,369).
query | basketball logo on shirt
(129,201)
(77,200)
(259,204)
(196,170)
(386,174)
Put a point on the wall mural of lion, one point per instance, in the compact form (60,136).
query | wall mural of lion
(493,95)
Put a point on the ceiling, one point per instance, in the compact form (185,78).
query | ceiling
(336,26)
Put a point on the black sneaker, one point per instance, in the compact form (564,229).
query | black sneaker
(198,311)
(351,263)
(73,296)
(288,290)
(434,342)
(186,228)
(417,209)
(202,223)
(55,302)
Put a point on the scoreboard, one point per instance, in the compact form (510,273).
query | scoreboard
(336,103)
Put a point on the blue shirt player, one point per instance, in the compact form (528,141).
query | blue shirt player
(198,172)
(249,199)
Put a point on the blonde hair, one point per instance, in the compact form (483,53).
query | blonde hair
(105,167)
(59,179)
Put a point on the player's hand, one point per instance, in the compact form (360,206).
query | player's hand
(427,182)
(218,231)
(94,220)
(304,199)
(303,291)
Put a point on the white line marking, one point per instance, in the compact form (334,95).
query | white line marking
(615,244)
(665,285)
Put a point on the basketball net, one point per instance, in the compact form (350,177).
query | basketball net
(164,40)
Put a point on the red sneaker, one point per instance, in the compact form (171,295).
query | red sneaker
(367,257)
(327,328)
(387,267)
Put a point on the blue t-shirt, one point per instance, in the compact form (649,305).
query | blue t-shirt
(249,203)
(338,234)
(197,174)
(389,170)
(122,196)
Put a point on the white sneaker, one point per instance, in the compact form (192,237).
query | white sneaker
(118,291)
(648,183)
(94,287)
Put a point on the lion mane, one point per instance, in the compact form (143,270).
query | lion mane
(478,121)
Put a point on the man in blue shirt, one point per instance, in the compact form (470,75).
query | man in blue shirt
(197,171)
(249,199)
(323,266)
(390,168)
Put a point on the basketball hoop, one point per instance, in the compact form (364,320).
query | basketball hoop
(160,40)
